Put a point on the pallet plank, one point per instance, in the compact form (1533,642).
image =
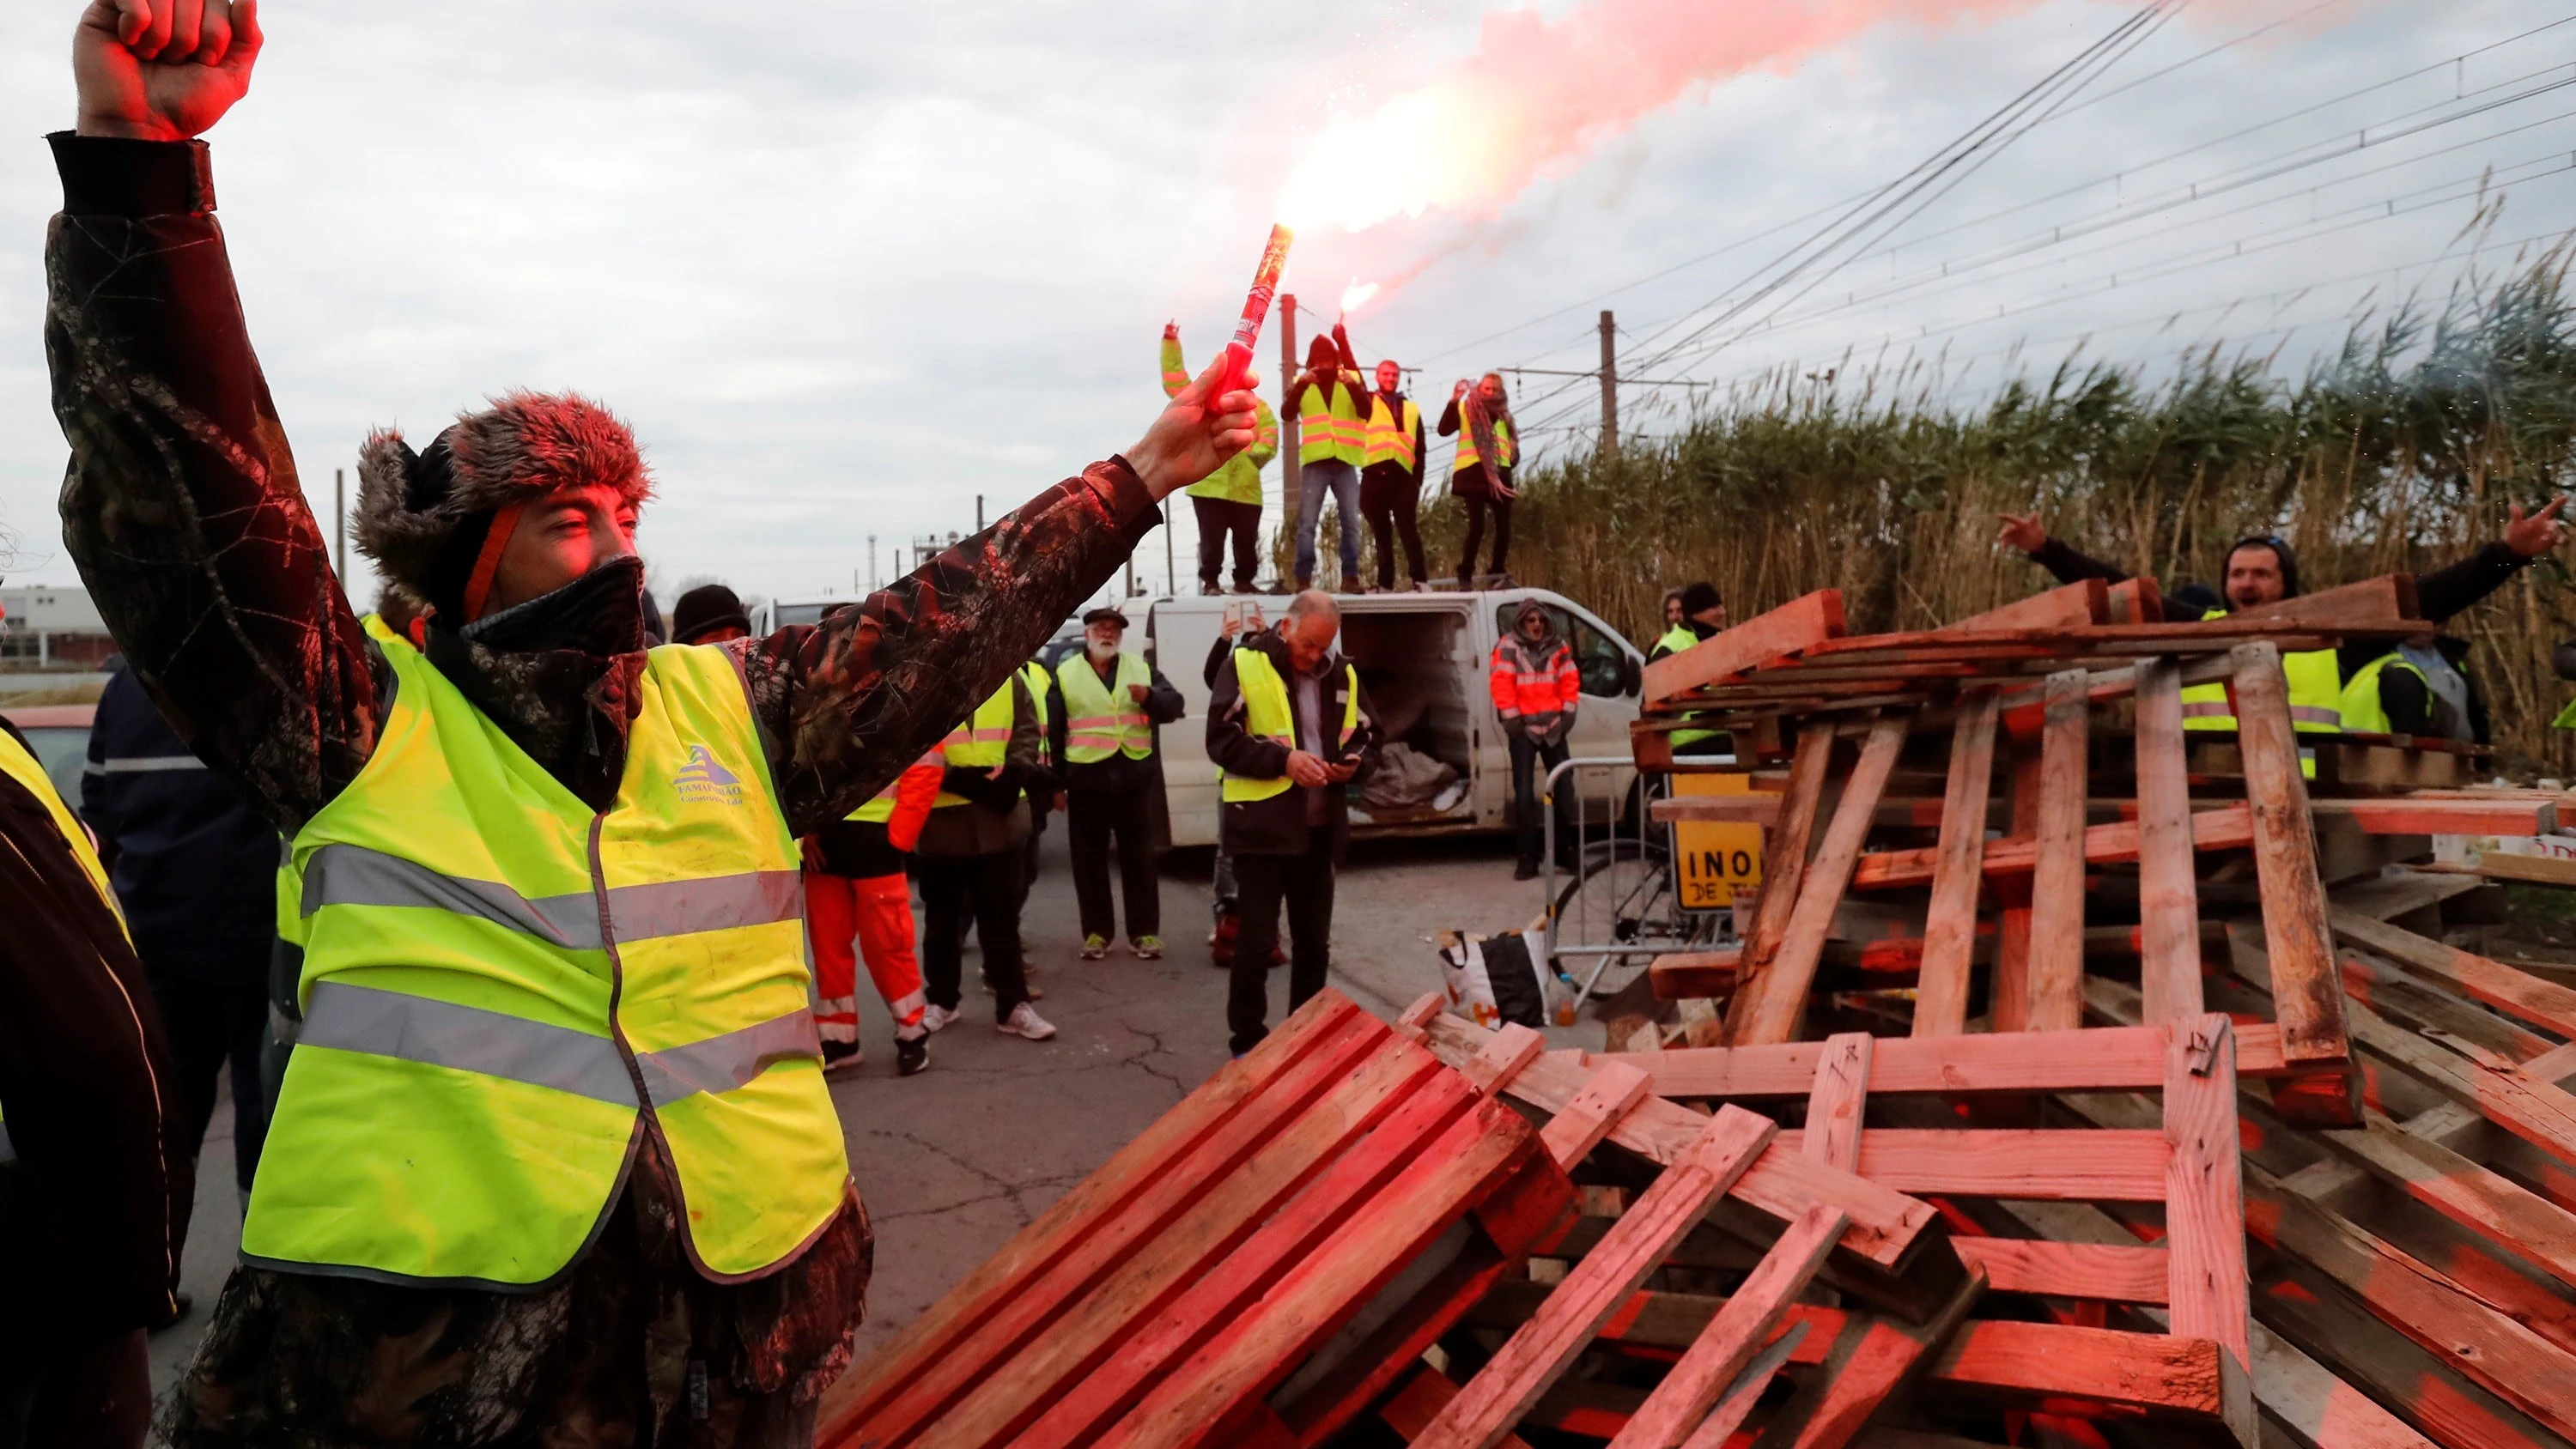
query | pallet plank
(1694,1384)
(1496,1398)
(1836,1102)
(1804,621)
(1769,1004)
(1958,873)
(1870,1361)
(2205,1200)
(2544,1004)
(2168,896)
(1613,1089)
(2307,993)
(2111,1272)
(2492,1207)
(1785,845)
(2055,979)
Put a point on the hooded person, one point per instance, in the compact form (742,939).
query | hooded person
(1536,691)
(1480,416)
(2263,569)
(553,1146)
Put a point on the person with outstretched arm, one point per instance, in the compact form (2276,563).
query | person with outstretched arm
(1227,502)
(1480,415)
(553,1146)
(2264,570)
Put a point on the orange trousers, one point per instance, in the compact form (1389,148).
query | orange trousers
(877,912)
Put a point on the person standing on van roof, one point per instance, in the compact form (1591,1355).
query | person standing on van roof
(1391,478)
(196,870)
(1291,728)
(1481,416)
(1332,442)
(1227,501)
(1536,691)
(1106,705)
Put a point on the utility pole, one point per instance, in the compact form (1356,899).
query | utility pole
(1609,386)
(1290,479)
(872,563)
(340,525)
(979,513)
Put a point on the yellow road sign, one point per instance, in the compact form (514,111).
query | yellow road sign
(1712,858)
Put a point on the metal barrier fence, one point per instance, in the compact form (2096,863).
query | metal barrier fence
(1616,904)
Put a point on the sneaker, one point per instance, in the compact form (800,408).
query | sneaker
(1147,948)
(1351,584)
(841,1056)
(1209,590)
(1526,870)
(1025,1021)
(1246,589)
(911,1055)
(1094,947)
(934,1017)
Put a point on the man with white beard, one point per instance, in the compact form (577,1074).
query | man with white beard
(1102,718)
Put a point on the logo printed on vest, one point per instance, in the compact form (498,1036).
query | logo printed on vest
(703,779)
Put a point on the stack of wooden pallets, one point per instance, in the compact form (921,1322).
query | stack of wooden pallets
(2081,1080)
(2003,828)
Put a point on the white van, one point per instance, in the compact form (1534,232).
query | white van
(1423,659)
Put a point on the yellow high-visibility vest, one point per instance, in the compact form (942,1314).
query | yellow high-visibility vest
(2315,683)
(980,742)
(1390,438)
(1268,715)
(506,993)
(1329,428)
(1675,640)
(29,772)
(1237,479)
(1101,719)
(1467,454)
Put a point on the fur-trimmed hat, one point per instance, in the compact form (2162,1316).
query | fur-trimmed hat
(425,517)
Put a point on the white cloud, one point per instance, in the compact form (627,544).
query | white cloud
(847,275)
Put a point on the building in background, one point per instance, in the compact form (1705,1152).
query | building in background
(52,627)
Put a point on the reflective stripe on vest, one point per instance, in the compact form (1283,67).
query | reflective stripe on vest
(1468,457)
(1103,719)
(1389,438)
(495,1044)
(980,743)
(1268,715)
(499,983)
(17,764)
(2314,682)
(1329,428)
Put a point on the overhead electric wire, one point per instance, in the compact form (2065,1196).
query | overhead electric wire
(1778,227)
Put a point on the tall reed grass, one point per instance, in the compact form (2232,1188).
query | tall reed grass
(2397,451)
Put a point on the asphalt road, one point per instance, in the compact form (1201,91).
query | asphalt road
(952,1162)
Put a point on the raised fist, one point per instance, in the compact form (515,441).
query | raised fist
(162,70)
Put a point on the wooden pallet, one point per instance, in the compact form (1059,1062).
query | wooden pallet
(1169,1298)
(2193,1375)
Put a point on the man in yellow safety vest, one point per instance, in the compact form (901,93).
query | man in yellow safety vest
(971,855)
(1291,728)
(1107,704)
(1332,442)
(553,1152)
(1391,478)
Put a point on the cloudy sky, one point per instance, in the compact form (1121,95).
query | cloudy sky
(848,268)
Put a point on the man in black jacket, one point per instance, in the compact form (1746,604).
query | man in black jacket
(196,869)
(1291,728)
